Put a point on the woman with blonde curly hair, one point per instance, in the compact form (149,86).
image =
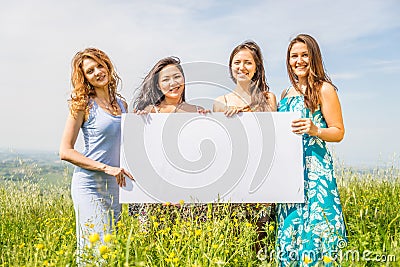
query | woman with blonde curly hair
(96,108)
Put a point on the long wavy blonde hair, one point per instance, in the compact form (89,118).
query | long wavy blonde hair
(82,90)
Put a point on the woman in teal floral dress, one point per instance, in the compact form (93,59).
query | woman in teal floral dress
(312,231)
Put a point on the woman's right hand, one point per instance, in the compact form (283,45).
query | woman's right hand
(119,174)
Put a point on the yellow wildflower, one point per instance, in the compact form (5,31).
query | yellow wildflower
(181,202)
(271,227)
(103,249)
(39,246)
(107,238)
(93,238)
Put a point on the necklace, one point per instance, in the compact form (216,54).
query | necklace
(113,111)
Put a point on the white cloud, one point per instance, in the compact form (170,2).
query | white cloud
(344,76)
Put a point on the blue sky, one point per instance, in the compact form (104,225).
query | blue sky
(359,42)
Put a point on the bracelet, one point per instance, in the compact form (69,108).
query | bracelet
(319,132)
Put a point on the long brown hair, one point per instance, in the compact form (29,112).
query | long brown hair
(317,74)
(149,91)
(82,90)
(259,88)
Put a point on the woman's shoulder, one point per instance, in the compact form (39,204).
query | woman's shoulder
(122,101)
(327,88)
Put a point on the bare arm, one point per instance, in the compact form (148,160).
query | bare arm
(332,112)
(67,146)
(68,152)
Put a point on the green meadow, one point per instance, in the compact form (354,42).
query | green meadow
(37,225)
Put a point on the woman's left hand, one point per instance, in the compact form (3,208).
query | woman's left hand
(304,126)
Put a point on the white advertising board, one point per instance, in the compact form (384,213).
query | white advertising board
(252,157)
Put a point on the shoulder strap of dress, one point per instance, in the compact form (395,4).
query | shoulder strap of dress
(286,92)
(121,105)
(155,108)
(226,101)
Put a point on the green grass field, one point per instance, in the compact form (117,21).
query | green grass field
(38,229)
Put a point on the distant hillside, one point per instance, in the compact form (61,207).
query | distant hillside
(35,166)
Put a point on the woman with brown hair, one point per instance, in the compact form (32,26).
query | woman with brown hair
(96,108)
(313,230)
(251,94)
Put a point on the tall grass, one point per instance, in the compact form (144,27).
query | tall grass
(38,229)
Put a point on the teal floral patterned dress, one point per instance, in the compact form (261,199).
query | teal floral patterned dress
(312,231)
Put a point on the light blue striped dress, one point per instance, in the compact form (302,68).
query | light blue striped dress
(96,194)
(309,231)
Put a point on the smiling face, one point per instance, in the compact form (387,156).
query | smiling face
(171,82)
(95,73)
(243,66)
(299,60)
